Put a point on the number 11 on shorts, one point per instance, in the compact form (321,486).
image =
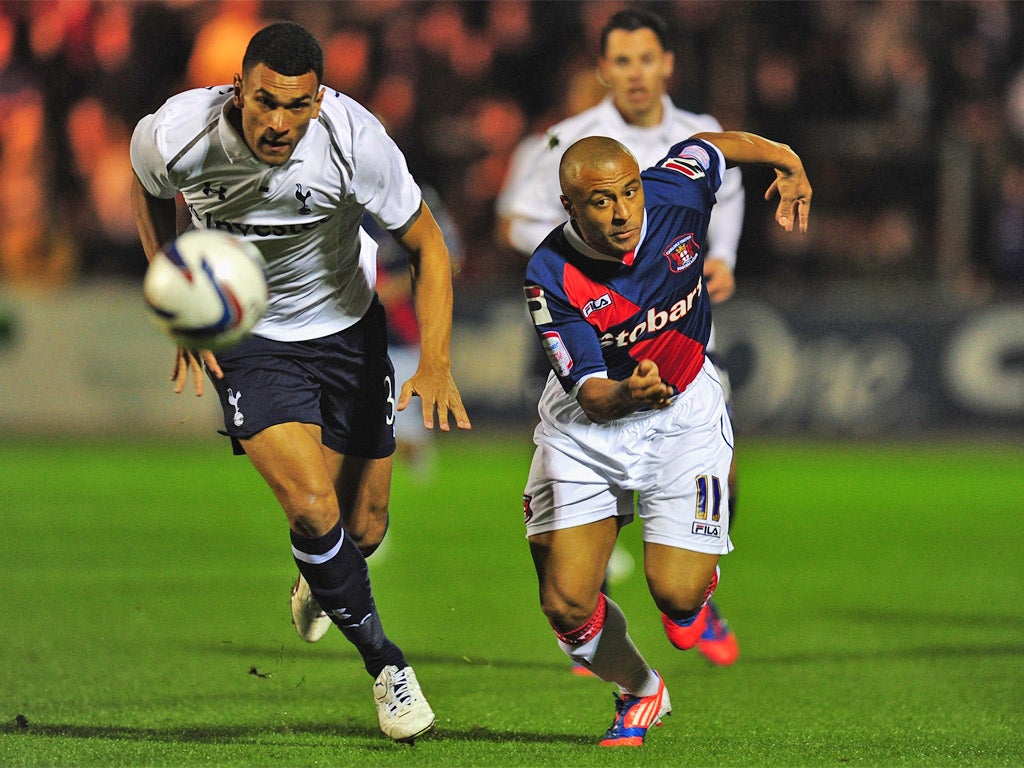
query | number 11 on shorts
(709,493)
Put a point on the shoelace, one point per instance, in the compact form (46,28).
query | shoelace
(620,709)
(400,685)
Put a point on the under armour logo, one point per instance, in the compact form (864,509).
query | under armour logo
(233,398)
(303,197)
(219,191)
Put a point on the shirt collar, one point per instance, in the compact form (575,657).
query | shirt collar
(234,145)
(667,110)
(238,151)
(578,244)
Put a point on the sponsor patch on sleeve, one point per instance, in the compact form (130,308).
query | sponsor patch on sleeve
(555,349)
(698,153)
(688,166)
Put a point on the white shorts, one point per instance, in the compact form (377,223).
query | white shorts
(676,460)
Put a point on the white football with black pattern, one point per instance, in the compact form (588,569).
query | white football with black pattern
(206,289)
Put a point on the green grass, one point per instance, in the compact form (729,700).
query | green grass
(876,590)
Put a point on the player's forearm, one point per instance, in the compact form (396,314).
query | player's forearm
(432,292)
(431,274)
(155,218)
(742,148)
(604,400)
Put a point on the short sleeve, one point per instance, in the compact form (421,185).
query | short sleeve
(381,179)
(531,199)
(568,340)
(148,161)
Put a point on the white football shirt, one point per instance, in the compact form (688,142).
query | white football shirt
(303,216)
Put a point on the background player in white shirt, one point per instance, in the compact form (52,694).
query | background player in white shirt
(291,165)
(632,405)
(637,65)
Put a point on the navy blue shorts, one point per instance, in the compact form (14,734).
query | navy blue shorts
(344,382)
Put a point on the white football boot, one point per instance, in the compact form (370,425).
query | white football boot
(402,710)
(311,623)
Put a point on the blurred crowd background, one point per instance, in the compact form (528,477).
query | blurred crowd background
(909,116)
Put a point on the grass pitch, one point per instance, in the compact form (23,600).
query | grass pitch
(876,591)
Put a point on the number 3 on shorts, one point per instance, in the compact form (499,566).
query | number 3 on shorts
(389,385)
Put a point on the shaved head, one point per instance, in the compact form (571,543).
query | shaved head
(589,154)
(603,194)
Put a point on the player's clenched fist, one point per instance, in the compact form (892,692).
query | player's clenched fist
(647,388)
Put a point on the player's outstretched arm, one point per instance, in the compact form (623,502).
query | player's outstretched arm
(432,291)
(156,220)
(791,183)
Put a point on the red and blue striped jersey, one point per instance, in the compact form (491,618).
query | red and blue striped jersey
(601,316)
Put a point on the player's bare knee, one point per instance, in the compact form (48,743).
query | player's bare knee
(678,601)
(306,526)
(679,607)
(566,613)
(314,516)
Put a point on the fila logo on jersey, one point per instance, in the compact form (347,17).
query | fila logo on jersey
(713,530)
(555,349)
(537,304)
(682,253)
(595,304)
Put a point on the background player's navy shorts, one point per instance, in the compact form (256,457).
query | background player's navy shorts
(344,382)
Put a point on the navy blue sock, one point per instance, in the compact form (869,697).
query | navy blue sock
(340,582)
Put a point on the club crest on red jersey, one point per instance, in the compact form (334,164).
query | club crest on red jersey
(682,253)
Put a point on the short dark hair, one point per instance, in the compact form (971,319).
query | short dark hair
(287,48)
(632,19)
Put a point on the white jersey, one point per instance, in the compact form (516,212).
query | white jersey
(531,195)
(303,216)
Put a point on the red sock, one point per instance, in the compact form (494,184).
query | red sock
(591,627)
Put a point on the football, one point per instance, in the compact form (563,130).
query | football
(206,289)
